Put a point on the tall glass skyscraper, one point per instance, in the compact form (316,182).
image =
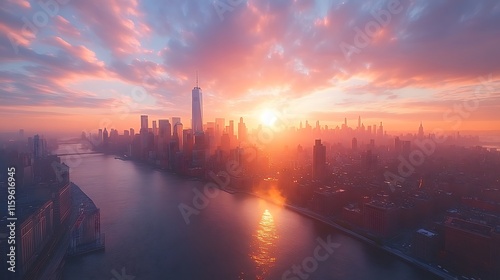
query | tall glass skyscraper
(144,124)
(197,110)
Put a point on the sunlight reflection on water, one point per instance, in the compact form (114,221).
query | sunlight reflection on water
(263,247)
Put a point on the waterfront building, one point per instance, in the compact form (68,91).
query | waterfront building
(426,245)
(99,136)
(381,218)
(471,247)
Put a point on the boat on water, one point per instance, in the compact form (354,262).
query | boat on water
(124,157)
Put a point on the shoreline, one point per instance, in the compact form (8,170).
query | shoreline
(58,247)
(310,214)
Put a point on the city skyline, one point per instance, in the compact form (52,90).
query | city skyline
(68,70)
(380,188)
(250,139)
(169,131)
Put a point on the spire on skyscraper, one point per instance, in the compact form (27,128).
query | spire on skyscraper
(197,109)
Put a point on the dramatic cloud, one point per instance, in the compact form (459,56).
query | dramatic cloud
(323,59)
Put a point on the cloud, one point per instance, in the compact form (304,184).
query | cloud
(261,53)
(65,28)
(116,23)
(25,90)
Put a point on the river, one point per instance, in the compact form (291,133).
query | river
(234,237)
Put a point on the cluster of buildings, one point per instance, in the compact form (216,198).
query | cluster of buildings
(168,144)
(340,173)
(445,212)
(54,218)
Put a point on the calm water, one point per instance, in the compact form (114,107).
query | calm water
(234,237)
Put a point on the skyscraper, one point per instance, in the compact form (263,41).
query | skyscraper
(219,129)
(319,161)
(99,136)
(242,131)
(178,135)
(197,109)
(144,124)
(421,131)
(105,138)
(175,120)
(397,145)
(155,129)
(220,125)
(164,139)
(164,129)
(231,128)
(37,147)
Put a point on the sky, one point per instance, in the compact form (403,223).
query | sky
(68,65)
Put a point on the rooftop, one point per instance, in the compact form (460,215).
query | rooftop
(426,232)
(382,204)
(469,226)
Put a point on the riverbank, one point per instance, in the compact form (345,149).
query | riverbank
(144,226)
(84,208)
(51,260)
(310,214)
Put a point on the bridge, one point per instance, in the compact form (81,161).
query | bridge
(75,154)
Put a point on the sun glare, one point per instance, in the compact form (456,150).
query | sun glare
(268,117)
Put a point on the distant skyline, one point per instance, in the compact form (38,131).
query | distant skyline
(84,65)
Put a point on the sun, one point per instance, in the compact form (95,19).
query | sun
(268,117)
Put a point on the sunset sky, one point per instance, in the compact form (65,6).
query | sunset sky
(81,65)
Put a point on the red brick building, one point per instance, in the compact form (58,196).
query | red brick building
(471,247)
(381,217)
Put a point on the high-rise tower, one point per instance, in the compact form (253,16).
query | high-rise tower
(242,131)
(381,130)
(37,147)
(144,124)
(197,109)
(319,161)
(420,131)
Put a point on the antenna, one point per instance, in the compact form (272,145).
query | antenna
(197,78)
